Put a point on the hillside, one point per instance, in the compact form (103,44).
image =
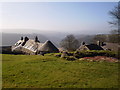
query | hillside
(9,39)
(34,71)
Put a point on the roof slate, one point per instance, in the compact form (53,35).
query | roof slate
(94,47)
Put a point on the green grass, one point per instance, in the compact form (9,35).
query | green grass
(34,71)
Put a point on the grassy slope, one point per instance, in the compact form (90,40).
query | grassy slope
(26,71)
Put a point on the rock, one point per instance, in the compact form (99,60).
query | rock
(57,55)
(64,54)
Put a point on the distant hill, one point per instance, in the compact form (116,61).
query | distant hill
(86,38)
(9,39)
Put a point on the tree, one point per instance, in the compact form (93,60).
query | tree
(115,34)
(100,37)
(113,38)
(115,14)
(70,43)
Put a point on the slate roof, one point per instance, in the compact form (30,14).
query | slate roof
(112,46)
(94,47)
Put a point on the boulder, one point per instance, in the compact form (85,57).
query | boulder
(64,54)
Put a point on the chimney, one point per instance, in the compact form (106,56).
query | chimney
(21,38)
(83,43)
(98,43)
(36,39)
(26,39)
(103,44)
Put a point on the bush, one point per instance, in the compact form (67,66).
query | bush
(57,55)
(70,53)
(91,53)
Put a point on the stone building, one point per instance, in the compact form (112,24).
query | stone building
(33,47)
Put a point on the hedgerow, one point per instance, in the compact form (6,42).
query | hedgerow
(91,53)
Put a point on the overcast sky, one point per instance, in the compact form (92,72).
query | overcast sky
(72,17)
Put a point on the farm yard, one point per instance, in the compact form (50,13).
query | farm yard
(37,71)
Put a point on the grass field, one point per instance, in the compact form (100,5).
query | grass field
(34,71)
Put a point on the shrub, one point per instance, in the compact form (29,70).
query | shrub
(57,55)
(70,53)
(91,53)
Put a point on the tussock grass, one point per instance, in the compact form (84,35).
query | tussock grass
(36,71)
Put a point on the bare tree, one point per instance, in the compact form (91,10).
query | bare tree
(99,37)
(115,14)
(70,43)
(115,34)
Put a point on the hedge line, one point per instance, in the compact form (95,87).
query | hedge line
(91,53)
